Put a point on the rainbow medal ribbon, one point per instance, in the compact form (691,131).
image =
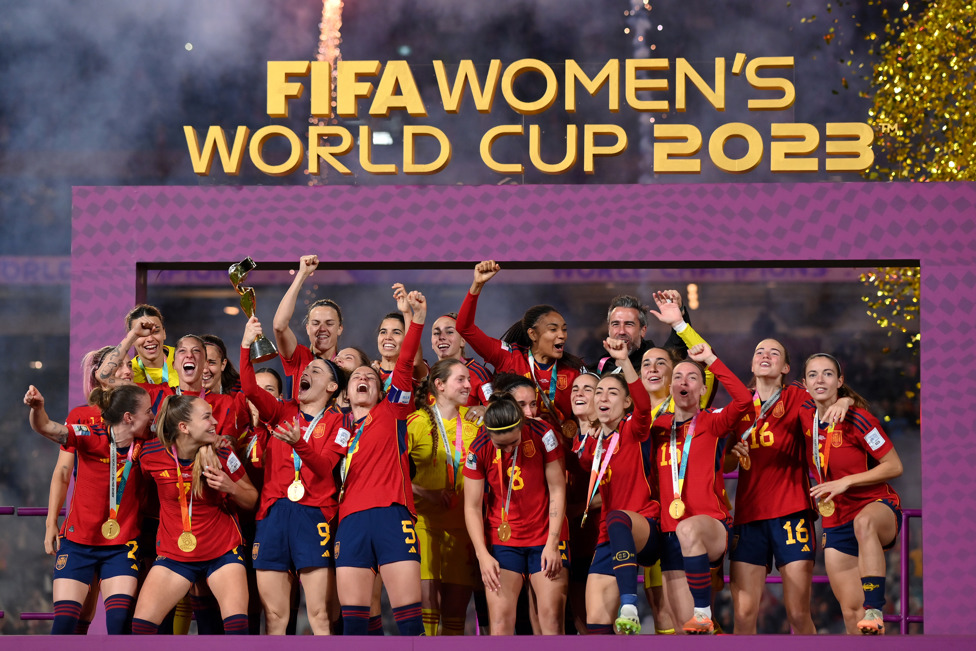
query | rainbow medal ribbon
(116,487)
(761,410)
(677,507)
(505,529)
(826,507)
(296,490)
(187,542)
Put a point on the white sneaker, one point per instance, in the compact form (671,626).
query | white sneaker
(628,621)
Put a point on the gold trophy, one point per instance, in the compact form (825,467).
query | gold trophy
(262,348)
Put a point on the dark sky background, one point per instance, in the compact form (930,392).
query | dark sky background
(97,92)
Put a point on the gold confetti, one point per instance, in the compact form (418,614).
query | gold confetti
(922,84)
(891,294)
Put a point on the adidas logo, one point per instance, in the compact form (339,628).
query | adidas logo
(806,548)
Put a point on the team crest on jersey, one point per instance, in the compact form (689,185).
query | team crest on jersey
(562,382)
(62,561)
(320,430)
(471,462)
(836,438)
(779,410)
(528,449)
(550,441)
(254,551)
(342,438)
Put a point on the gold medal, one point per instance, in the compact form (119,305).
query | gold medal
(187,542)
(826,508)
(296,491)
(504,532)
(677,509)
(111,529)
(570,428)
(745,463)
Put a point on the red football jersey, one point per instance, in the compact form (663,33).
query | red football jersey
(480,383)
(703,490)
(628,482)
(317,461)
(378,464)
(512,358)
(212,520)
(89,415)
(855,445)
(89,507)
(295,365)
(528,513)
(776,483)
(230,410)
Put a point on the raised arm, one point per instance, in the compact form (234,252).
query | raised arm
(265,403)
(675,341)
(39,420)
(413,306)
(489,348)
(116,357)
(287,341)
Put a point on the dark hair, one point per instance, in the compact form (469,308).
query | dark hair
(673,355)
(114,403)
(518,333)
(338,375)
(844,391)
(229,377)
(270,371)
(364,359)
(89,365)
(426,395)
(323,302)
(140,311)
(503,413)
(701,369)
(391,315)
(176,410)
(630,302)
(508,382)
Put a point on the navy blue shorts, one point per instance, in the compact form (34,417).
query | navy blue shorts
(197,570)
(671,557)
(376,537)
(842,538)
(291,537)
(787,539)
(81,562)
(525,560)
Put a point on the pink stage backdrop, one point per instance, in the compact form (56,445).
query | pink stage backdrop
(114,228)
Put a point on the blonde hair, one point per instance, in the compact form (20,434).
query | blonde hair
(176,410)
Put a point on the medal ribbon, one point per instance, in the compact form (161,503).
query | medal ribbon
(142,367)
(309,428)
(761,410)
(596,478)
(116,484)
(678,478)
(662,408)
(352,449)
(185,511)
(546,399)
(511,477)
(821,473)
(453,458)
